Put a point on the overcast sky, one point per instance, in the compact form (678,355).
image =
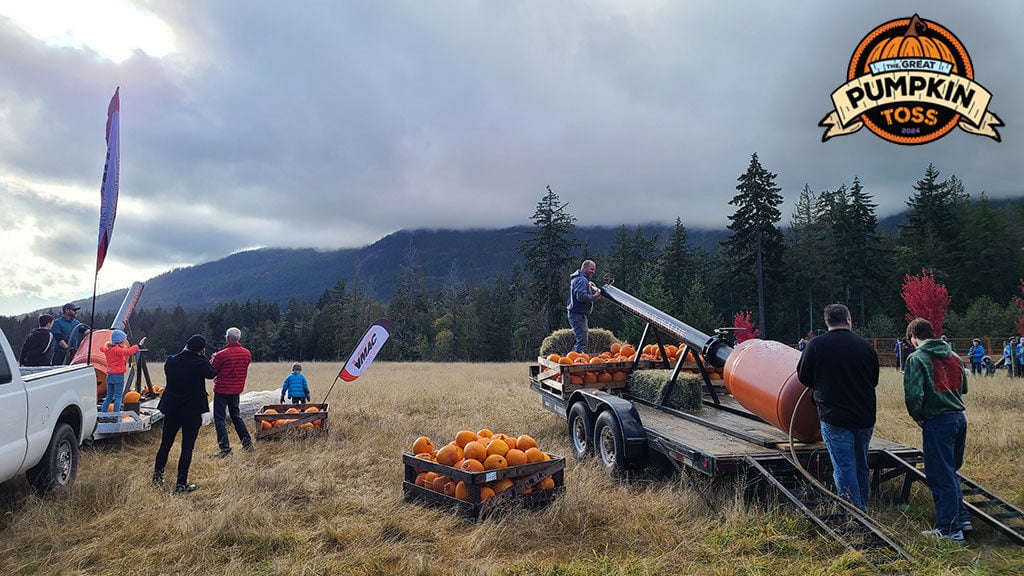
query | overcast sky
(330,124)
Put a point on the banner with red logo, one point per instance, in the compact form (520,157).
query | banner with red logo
(367,349)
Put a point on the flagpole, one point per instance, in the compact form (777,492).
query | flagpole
(92,317)
(331,388)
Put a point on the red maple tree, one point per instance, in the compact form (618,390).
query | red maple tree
(926,298)
(1020,304)
(746,330)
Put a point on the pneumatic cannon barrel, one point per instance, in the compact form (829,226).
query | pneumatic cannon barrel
(714,349)
(760,374)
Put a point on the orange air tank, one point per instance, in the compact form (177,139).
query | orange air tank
(96,355)
(761,375)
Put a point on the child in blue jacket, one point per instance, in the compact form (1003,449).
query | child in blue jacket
(295,385)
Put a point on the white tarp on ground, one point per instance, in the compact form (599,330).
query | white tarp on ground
(249,403)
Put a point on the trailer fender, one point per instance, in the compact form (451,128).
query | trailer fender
(634,438)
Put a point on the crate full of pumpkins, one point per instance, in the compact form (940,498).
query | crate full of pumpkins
(280,420)
(479,471)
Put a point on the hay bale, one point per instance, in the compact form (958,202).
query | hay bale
(649,384)
(561,341)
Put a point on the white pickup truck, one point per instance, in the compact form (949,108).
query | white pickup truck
(45,414)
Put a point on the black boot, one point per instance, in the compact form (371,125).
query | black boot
(158,478)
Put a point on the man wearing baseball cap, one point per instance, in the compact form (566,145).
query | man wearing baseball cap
(65,332)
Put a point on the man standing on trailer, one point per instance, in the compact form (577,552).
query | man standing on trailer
(582,295)
(933,382)
(842,368)
(232,366)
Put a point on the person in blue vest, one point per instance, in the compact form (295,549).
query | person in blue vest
(976,353)
(1008,358)
(582,295)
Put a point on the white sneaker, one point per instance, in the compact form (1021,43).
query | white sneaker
(957,536)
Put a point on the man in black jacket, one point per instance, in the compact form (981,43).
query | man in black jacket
(842,368)
(183,403)
(37,349)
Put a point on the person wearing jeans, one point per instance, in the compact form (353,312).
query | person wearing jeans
(842,369)
(582,295)
(934,383)
(232,366)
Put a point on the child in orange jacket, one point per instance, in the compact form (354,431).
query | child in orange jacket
(117,352)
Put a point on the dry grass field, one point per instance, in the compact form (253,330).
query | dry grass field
(334,505)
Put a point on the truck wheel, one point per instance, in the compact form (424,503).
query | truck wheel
(608,443)
(581,430)
(56,471)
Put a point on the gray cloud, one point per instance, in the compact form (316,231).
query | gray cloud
(331,124)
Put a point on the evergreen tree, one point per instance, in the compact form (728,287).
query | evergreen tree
(677,268)
(863,249)
(755,242)
(411,312)
(698,310)
(934,224)
(548,252)
(808,252)
(988,266)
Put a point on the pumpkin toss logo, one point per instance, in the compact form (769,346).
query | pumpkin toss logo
(910,81)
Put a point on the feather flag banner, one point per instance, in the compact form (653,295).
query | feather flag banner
(111,179)
(367,349)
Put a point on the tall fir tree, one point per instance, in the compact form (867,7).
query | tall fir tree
(808,252)
(863,248)
(755,244)
(549,254)
(677,267)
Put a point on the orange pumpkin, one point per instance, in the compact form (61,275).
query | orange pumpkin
(421,445)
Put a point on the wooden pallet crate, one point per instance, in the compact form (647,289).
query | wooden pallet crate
(297,420)
(559,376)
(524,477)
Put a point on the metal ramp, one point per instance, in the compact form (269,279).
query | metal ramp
(983,505)
(843,524)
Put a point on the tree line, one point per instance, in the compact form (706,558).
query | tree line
(778,276)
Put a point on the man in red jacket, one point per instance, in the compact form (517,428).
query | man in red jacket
(232,366)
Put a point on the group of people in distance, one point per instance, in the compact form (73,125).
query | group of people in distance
(842,369)
(184,399)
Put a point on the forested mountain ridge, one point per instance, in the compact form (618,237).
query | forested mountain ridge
(277,275)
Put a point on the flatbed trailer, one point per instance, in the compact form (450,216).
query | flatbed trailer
(111,424)
(722,438)
(714,440)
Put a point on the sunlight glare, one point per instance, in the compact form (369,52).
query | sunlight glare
(111,28)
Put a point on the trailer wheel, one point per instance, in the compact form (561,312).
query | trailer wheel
(581,430)
(56,471)
(608,443)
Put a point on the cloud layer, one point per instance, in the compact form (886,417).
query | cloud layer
(331,124)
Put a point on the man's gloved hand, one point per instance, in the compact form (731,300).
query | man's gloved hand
(282,399)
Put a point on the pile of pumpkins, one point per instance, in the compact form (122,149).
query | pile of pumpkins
(478,452)
(616,353)
(268,424)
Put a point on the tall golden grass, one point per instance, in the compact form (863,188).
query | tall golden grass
(334,505)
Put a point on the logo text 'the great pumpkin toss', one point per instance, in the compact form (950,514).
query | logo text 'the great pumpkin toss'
(910,81)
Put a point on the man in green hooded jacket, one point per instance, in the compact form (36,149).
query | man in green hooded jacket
(934,382)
